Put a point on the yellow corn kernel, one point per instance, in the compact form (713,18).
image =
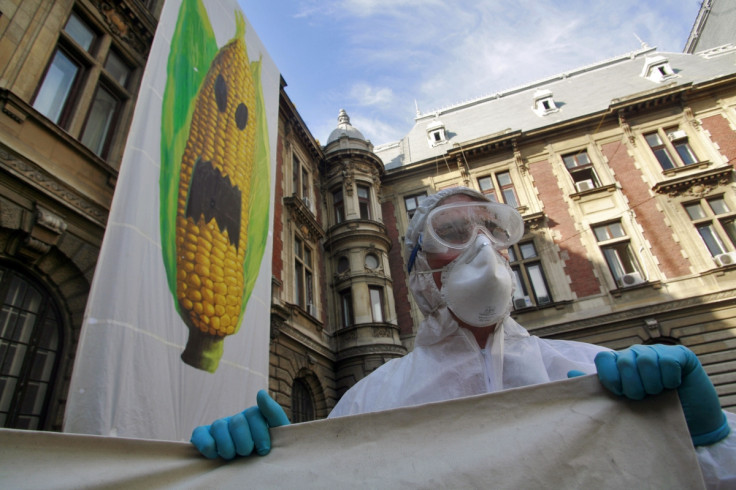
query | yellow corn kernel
(209,266)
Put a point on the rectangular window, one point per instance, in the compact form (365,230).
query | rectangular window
(581,170)
(531,283)
(376,296)
(503,186)
(300,181)
(364,202)
(56,89)
(76,86)
(715,223)
(339,206)
(616,249)
(346,307)
(486,187)
(303,281)
(671,148)
(100,121)
(413,202)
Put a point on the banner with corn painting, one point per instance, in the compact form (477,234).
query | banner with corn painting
(177,322)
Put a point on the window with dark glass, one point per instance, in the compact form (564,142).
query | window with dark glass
(671,148)
(413,202)
(343,265)
(302,402)
(300,181)
(61,83)
(303,283)
(715,222)
(581,170)
(339,206)
(376,298)
(30,343)
(616,249)
(503,186)
(73,70)
(531,283)
(346,308)
(364,202)
(101,119)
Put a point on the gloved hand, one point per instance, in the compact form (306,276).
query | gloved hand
(650,369)
(242,432)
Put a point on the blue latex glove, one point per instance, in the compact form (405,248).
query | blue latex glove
(650,369)
(241,433)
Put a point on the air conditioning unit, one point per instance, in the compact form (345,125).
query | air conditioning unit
(677,135)
(726,259)
(520,303)
(307,202)
(584,185)
(631,279)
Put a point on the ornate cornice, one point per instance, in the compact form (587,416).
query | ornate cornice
(372,349)
(280,327)
(602,321)
(698,184)
(129,23)
(50,185)
(304,218)
(534,221)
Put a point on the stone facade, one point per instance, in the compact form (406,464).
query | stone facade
(57,178)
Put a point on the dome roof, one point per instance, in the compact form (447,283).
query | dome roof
(345,129)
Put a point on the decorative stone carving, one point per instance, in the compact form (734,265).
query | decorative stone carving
(695,185)
(126,25)
(690,117)
(40,232)
(626,128)
(53,186)
(520,164)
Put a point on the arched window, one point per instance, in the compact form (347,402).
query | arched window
(302,404)
(30,340)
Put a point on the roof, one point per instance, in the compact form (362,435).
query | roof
(576,93)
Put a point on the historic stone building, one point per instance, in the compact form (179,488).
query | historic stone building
(69,76)
(623,172)
(333,315)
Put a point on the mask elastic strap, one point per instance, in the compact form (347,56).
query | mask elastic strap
(414,252)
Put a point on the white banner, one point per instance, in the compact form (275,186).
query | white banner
(568,434)
(176,329)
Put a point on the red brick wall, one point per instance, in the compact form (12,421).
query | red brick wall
(277,263)
(668,252)
(721,133)
(577,266)
(398,271)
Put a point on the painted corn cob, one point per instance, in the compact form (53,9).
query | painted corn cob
(212,208)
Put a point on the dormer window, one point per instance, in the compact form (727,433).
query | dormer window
(544,103)
(657,69)
(436,133)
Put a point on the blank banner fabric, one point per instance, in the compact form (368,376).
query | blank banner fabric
(568,434)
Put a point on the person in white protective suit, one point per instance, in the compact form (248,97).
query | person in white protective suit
(468,344)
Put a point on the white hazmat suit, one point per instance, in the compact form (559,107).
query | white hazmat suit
(448,363)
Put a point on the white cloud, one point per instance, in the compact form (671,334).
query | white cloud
(364,94)
(391,52)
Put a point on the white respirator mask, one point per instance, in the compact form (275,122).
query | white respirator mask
(477,285)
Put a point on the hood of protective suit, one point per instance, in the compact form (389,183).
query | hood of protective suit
(439,322)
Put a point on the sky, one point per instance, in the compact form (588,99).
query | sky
(380,60)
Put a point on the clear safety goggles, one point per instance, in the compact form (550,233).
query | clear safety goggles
(453,227)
